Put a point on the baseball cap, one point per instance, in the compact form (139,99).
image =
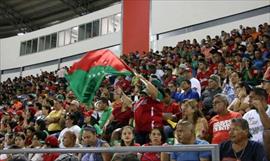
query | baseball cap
(215,78)
(52,141)
(75,102)
(184,66)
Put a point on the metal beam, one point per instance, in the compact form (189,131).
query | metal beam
(15,18)
(72,6)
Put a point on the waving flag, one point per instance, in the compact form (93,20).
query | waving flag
(86,76)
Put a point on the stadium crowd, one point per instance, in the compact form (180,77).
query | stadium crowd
(214,91)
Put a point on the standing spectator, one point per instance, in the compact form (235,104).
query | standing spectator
(219,125)
(148,107)
(239,147)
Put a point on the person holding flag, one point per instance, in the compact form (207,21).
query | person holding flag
(148,109)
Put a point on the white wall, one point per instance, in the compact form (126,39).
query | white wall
(173,14)
(115,49)
(10,75)
(212,31)
(10,47)
(49,68)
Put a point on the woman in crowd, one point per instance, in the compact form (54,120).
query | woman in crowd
(156,138)
(241,102)
(192,113)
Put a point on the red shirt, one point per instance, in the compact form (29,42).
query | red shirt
(219,126)
(203,77)
(150,156)
(50,156)
(147,114)
(173,108)
(121,117)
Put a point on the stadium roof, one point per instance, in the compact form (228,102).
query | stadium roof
(21,16)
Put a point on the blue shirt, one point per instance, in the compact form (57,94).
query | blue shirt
(191,156)
(190,94)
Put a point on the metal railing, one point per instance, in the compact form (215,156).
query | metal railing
(214,148)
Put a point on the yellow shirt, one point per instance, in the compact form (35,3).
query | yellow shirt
(55,115)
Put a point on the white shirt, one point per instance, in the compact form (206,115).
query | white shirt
(255,124)
(75,128)
(196,85)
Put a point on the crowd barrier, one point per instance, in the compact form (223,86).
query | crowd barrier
(214,148)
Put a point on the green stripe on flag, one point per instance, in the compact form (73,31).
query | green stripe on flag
(85,84)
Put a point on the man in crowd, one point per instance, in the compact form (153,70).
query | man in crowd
(219,125)
(239,147)
(185,135)
(259,117)
(188,92)
(90,139)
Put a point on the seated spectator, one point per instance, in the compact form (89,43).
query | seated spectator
(241,101)
(219,125)
(185,134)
(51,142)
(127,139)
(101,114)
(71,125)
(74,107)
(188,92)
(203,73)
(231,82)
(171,112)
(69,141)
(157,138)
(90,139)
(193,114)
(53,119)
(212,89)
(20,140)
(258,117)
(37,142)
(121,114)
(239,147)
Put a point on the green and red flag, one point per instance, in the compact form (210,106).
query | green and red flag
(86,75)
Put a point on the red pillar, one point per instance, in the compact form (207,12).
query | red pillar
(136,20)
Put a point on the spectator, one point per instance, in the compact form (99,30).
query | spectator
(69,141)
(121,114)
(185,135)
(193,114)
(53,119)
(241,102)
(71,125)
(171,112)
(148,107)
(90,139)
(258,117)
(188,92)
(239,147)
(50,142)
(219,125)
(157,138)
(213,88)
